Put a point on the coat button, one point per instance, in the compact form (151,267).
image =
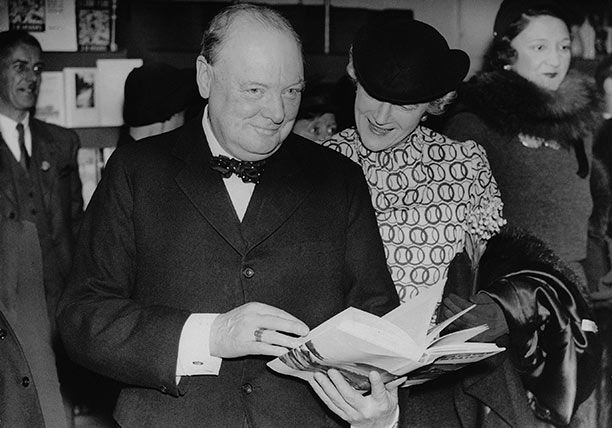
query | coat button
(247,388)
(12,215)
(3,334)
(25,381)
(248,272)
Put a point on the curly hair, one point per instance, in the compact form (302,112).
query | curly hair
(500,51)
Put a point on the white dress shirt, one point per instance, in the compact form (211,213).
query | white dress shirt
(8,129)
(194,345)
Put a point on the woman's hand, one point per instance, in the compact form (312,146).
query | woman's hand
(486,312)
(379,409)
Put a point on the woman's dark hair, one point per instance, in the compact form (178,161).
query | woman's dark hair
(500,52)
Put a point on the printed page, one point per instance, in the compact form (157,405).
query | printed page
(459,336)
(353,356)
(435,332)
(414,316)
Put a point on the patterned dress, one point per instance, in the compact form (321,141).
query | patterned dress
(429,192)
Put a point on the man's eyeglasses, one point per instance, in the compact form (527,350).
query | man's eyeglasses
(22,68)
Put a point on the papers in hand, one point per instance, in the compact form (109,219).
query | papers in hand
(356,342)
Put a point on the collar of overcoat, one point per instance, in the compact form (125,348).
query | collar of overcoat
(284,186)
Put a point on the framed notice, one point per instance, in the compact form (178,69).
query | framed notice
(80,97)
(50,106)
(52,22)
(94,25)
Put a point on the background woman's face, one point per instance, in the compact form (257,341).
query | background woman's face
(543,49)
(382,125)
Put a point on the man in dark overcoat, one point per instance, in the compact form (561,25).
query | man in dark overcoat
(206,250)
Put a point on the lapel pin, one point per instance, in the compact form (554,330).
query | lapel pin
(45,166)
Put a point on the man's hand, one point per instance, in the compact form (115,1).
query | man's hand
(486,312)
(255,329)
(376,410)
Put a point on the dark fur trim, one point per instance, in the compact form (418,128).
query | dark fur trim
(510,104)
(514,249)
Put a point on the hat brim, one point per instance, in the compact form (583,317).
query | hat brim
(446,78)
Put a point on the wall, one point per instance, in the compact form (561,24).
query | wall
(466,24)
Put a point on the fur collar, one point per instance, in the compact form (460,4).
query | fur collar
(510,104)
(514,249)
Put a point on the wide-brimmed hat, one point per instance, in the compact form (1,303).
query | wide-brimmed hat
(406,62)
(156,91)
(511,10)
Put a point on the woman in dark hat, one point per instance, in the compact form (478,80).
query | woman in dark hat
(534,116)
(433,196)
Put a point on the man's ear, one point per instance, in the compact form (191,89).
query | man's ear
(607,85)
(203,76)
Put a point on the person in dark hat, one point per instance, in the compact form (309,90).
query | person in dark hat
(156,98)
(536,118)
(434,197)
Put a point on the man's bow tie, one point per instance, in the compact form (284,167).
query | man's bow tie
(249,172)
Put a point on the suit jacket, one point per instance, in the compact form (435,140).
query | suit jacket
(29,388)
(161,240)
(55,174)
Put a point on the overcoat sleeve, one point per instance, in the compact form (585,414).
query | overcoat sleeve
(102,327)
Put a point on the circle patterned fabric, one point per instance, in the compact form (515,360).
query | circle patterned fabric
(428,192)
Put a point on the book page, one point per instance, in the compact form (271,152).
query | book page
(459,336)
(435,332)
(414,316)
(354,357)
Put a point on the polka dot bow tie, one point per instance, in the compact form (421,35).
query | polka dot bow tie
(249,172)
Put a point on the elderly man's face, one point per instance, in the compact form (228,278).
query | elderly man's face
(253,89)
(19,81)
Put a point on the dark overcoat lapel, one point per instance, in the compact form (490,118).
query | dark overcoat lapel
(43,164)
(283,187)
(6,177)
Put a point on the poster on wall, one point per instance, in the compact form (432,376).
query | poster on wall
(80,89)
(94,25)
(52,22)
(50,106)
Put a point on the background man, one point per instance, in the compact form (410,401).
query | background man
(185,271)
(39,178)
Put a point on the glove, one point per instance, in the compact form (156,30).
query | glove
(486,312)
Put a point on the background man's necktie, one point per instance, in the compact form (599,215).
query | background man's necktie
(24,160)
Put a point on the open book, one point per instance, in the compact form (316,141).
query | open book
(356,342)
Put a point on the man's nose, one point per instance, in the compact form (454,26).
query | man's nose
(275,109)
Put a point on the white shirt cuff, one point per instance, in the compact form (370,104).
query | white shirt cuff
(194,348)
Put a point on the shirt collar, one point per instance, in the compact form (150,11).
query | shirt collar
(8,125)
(213,143)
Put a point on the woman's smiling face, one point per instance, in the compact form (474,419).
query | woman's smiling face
(382,125)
